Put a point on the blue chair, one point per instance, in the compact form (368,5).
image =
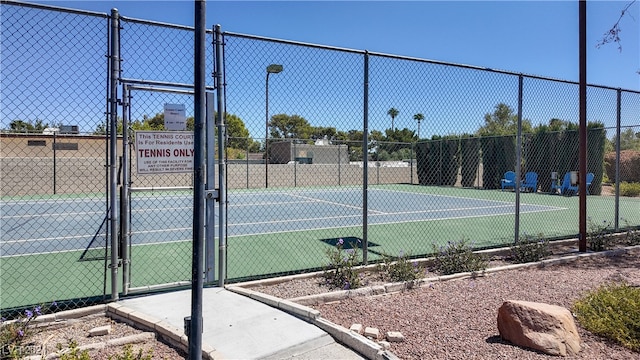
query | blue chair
(566,188)
(530,182)
(509,180)
(590,177)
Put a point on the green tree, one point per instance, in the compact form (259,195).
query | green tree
(393,112)
(502,121)
(629,140)
(285,126)
(20,126)
(320,132)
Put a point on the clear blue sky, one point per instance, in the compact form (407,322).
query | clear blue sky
(532,37)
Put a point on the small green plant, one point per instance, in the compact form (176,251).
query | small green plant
(128,354)
(72,352)
(457,257)
(15,335)
(530,249)
(341,272)
(598,238)
(400,268)
(632,236)
(613,312)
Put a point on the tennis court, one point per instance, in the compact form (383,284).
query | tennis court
(45,227)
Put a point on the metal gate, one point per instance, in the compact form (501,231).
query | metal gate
(156,206)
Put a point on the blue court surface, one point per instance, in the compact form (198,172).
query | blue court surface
(45,226)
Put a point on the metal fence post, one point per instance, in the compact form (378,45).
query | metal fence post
(518,161)
(55,146)
(197,271)
(124,195)
(365,158)
(617,183)
(113,154)
(209,246)
(222,215)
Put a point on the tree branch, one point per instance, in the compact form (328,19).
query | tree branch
(613,35)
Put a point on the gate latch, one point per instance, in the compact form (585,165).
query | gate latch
(213,194)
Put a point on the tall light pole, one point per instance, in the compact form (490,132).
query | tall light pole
(271,69)
(418,117)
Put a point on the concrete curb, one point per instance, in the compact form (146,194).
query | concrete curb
(173,335)
(364,346)
(368,348)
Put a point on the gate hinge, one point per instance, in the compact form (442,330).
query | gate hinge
(213,194)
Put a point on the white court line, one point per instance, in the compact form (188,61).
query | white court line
(48,215)
(52,201)
(383,223)
(46,239)
(102,248)
(335,203)
(462,198)
(162,209)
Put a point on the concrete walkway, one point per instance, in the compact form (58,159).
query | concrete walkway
(235,326)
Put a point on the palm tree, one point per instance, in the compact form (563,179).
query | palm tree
(418,117)
(393,112)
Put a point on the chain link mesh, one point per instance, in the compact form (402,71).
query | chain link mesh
(53,204)
(441,141)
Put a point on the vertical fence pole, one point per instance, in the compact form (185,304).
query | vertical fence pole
(124,195)
(411,162)
(617,183)
(197,266)
(582,39)
(518,161)
(210,232)
(247,167)
(222,209)
(339,161)
(55,165)
(365,159)
(113,154)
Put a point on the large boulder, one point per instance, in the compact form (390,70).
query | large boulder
(544,327)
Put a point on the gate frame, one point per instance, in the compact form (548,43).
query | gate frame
(211,193)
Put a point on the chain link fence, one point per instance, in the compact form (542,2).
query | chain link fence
(54,200)
(398,155)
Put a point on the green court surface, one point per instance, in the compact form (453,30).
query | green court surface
(40,278)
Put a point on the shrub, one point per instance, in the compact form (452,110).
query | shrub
(530,249)
(400,268)
(72,352)
(128,354)
(598,238)
(629,189)
(458,257)
(613,312)
(341,272)
(15,335)
(629,166)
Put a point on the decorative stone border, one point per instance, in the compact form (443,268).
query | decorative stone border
(368,348)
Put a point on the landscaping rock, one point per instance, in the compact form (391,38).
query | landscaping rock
(544,327)
(356,328)
(101,330)
(372,333)
(395,336)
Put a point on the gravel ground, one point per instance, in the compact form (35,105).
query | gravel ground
(443,320)
(78,330)
(457,319)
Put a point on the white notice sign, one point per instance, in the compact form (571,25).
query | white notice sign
(174,117)
(161,152)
